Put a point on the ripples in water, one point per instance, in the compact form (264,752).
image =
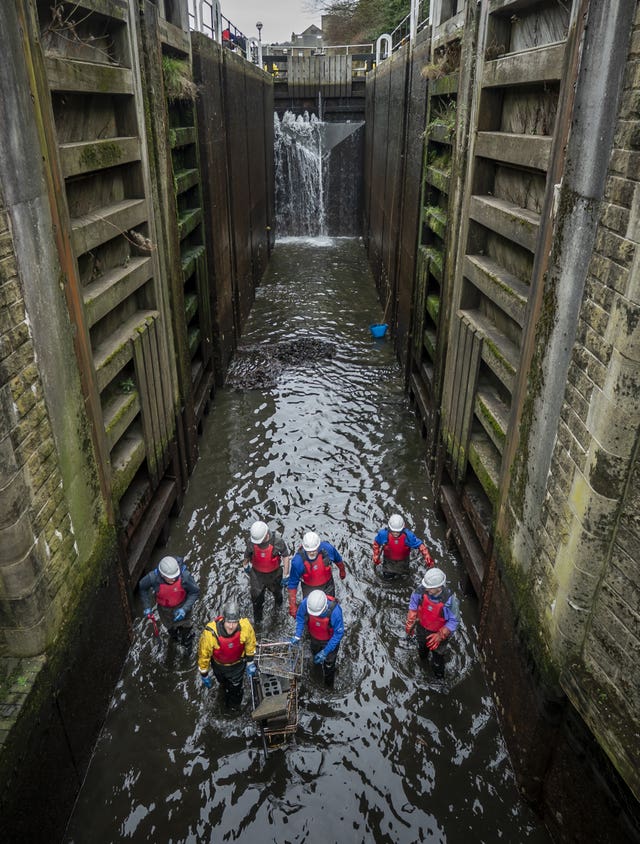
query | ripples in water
(390,754)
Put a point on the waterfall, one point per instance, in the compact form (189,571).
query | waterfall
(319,173)
(299,175)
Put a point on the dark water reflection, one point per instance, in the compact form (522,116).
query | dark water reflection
(389,755)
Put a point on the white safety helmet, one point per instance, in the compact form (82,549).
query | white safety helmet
(259,531)
(310,541)
(434,579)
(169,568)
(317,602)
(396,523)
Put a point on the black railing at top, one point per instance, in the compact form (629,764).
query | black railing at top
(202,17)
(400,35)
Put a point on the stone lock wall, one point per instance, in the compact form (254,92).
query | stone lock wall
(111,344)
(523,367)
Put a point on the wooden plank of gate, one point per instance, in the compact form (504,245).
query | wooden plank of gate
(145,408)
(463,382)
(152,377)
(470,395)
(155,350)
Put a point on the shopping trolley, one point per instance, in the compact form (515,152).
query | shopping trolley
(274,691)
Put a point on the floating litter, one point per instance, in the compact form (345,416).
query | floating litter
(379,330)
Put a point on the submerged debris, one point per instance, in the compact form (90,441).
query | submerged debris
(259,367)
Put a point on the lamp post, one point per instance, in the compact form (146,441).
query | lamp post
(259,28)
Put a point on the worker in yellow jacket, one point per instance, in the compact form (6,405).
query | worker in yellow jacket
(226,648)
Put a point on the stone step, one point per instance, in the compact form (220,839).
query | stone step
(182,136)
(194,336)
(188,220)
(190,307)
(185,179)
(485,460)
(89,156)
(505,290)
(540,64)
(435,263)
(189,260)
(126,459)
(118,414)
(445,85)
(429,342)
(108,8)
(440,133)
(511,221)
(493,415)
(105,223)
(499,353)
(87,77)
(524,150)
(112,288)
(433,307)
(440,179)
(436,219)
(110,356)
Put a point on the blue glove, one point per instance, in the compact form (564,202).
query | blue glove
(294,640)
(179,615)
(247,568)
(284,581)
(251,669)
(206,681)
(320,657)
(148,612)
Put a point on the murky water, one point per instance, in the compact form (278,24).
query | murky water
(388,755)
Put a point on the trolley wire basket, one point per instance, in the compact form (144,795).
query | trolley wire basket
(280,659)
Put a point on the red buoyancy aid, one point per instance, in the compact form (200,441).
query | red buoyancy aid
(265,559)
(231,648)
(320,625)
(316,572)
(431,610)
(396,548)
(171,594)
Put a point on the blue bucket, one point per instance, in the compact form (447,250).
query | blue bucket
(379,330)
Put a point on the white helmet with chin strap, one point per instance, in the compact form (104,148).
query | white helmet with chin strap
(169,568)
(317,602)
(310,541)
(396,523)
(259,531)
(434,579)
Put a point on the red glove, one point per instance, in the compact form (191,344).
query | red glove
(435,639)
(412,616)
(342,570)
(293,606)
(426,556)
(376,554)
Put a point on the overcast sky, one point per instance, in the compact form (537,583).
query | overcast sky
(279,17)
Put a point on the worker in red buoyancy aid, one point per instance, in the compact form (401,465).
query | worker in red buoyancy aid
(175,592)
(434,612)
(311,566)
(227,646)
(393,546)
(266,561)
(322,616)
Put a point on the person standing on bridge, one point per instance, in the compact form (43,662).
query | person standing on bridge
(175,592)
(322,615)
(392,548)
(266,561)
(434,614)
(311,566)
(227,647)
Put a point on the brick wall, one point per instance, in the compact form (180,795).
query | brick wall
(37,546)
(590,545)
